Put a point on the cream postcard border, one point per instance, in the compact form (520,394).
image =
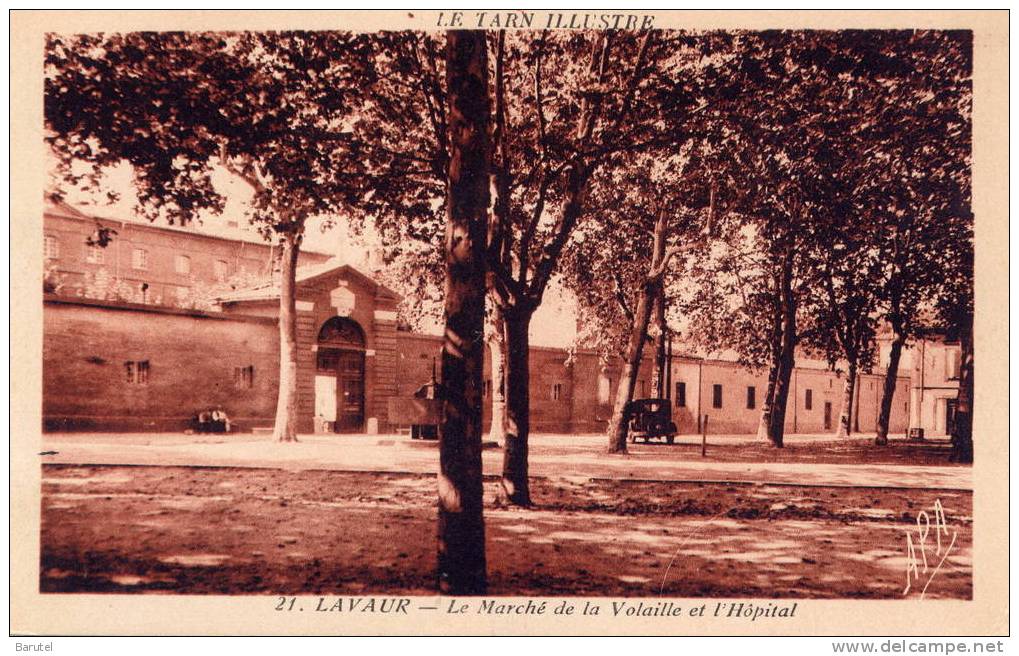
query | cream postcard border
(105,614)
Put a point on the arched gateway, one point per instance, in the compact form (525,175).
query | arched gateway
(339,375)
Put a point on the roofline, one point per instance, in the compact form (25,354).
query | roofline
(128,306)
(175,230)
(357,272)
(270,291)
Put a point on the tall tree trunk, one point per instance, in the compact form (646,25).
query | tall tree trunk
(496,349)
(856,404)
(661,379)
(285,427)
(517,323)
(845,428)
(778,410)
(768,406)
(764,424)
(888,391)
(962,432)
(787,354)
(628,378)
(461,527)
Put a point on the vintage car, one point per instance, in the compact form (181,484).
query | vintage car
(651,419)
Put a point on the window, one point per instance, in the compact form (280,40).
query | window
(751,397)
(182,264)
(952,362)
(221,268)
(680,395)
(181,293)
(137,372)
(716,396)
(244,377)
(557,391)
(50,247)
(140,258)
(95,254)
(808,400)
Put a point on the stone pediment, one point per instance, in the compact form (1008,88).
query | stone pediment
(314,277)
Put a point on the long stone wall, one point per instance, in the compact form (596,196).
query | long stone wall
(192,361)
(193,358)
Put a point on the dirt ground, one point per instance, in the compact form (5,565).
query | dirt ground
(188,530)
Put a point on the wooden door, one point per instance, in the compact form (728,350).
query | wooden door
(350,392)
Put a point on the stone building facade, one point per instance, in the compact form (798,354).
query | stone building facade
(138,360)
(148,264)
(934,365)
(120,366)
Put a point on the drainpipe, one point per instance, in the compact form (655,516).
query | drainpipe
(858,386)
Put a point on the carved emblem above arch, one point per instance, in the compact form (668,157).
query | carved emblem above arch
(340,332)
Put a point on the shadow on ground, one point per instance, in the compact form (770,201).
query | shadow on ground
(241,531)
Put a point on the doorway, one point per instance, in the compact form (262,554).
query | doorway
(340,375)
(951,406)
(827,415)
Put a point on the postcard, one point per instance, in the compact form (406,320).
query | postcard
(545,322)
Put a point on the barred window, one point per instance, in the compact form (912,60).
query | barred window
(244,377)
(137,372)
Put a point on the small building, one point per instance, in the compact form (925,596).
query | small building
(934,375)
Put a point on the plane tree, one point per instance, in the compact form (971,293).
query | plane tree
(272,108)
(807,149)
(562,104)
(788,87)
(918,183)
(654,209)
(461,532)
(897,193)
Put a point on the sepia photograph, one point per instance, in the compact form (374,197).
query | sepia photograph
(499,312)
